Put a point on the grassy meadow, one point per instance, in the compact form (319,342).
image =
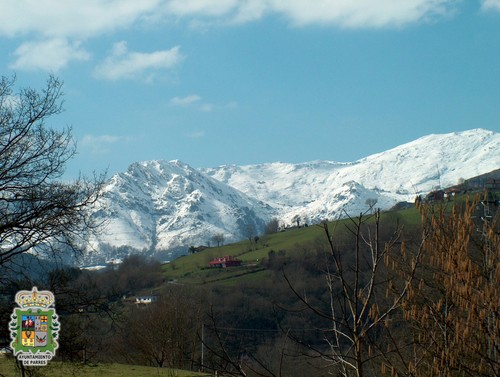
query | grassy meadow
(8,368)
(194,268)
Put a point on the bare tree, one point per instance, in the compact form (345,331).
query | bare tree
(250,232)
(88,309)
(218,239)
(37,209)
(272,226)
(371,202)
(165,333)
(364,295)
(454,305)
(229,354)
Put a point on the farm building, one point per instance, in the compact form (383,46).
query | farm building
(146,299)
(226,261)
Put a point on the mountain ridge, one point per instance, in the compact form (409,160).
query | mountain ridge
(166,206)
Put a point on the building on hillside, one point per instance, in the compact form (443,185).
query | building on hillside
(435,196)
(226,261)
(144,300)
(492,184)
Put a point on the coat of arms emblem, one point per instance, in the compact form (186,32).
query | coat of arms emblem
(34,327)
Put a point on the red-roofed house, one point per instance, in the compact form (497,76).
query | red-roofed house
(223,262)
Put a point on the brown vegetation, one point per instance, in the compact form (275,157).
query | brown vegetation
(455,307)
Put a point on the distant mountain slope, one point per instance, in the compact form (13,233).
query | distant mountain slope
(398,174)
(159,205)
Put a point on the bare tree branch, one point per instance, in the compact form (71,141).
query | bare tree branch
(38,211)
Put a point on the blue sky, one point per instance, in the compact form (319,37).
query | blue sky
(213,82)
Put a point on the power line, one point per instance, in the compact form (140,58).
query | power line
(258,330)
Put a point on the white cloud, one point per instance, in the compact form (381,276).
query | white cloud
(205,8)
(491,5)
(190,100)
(91,18)
(207,107)
(343,13)
(49,55)
(185,101)
(123,63)
(195,101)
(250,10)
(101,144)
(101,139)
(58,27)
(10,101)
(360,13)
(71,18)
(196,134)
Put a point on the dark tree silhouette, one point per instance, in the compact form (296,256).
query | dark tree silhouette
(272,226)
(218,239)
(37,208)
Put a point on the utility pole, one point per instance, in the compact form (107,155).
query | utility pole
(202,345)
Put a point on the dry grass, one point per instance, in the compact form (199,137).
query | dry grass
(8,368)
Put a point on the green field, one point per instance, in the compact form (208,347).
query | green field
(194,268)
(8,368)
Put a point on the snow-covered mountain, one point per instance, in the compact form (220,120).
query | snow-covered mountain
(160,206)
(168,206)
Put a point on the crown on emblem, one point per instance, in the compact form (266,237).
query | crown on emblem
(34,299)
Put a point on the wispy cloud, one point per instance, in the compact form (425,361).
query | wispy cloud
(367,14)
(185,101)
(125,64)
(71,18)
(91,18)
(102,144)
(250,11)
(207,107)
(49,55)
(491,5)
(343,13)
(86,19)
(205,8)
(54,30)
(10,101)
(361,13)
(196,102)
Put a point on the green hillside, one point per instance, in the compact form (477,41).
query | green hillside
(194,268)
(9,368)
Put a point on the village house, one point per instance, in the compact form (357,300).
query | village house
(226,261)
(148,299)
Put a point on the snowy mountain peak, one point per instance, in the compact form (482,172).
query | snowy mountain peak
(169,206)
(160,206)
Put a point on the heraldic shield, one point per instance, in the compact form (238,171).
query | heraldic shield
(34,327)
